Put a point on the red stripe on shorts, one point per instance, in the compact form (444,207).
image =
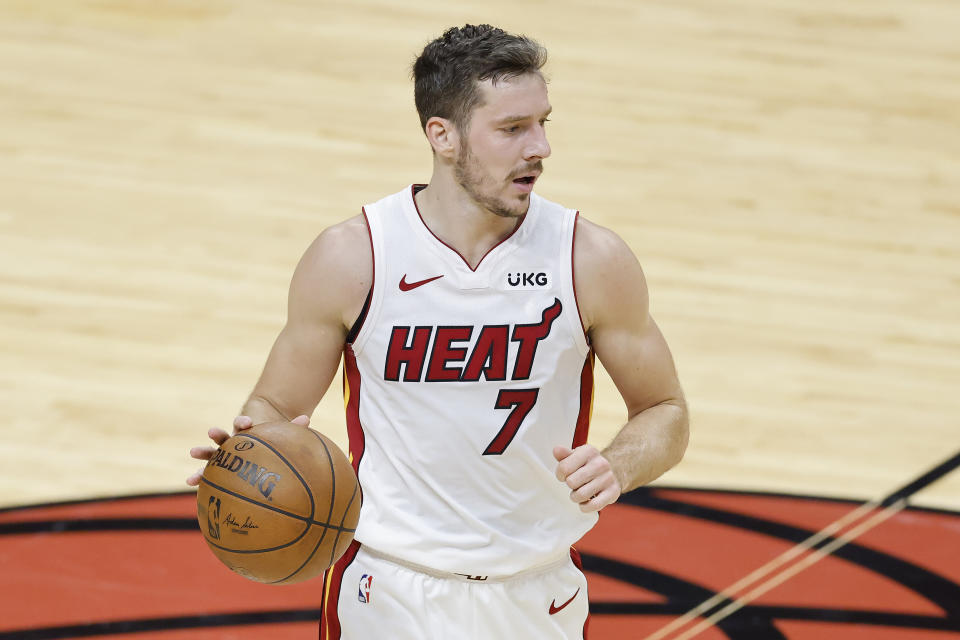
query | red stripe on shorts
(332,581)
(578,562)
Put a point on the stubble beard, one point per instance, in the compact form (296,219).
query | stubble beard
(472,179)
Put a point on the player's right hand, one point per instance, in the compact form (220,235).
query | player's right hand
(219,436)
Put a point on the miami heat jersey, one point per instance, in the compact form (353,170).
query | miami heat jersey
(459,384)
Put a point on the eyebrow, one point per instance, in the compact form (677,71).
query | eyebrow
(517,118)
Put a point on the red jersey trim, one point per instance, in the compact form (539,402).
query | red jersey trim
(578,563)
(573,275)
(362,320)
(586,402)
(351,402)
(413,193)
(332,583)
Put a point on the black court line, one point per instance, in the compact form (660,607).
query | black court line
(782,612)
(934,587)
(676,590)
(147,625)
(752,621)
(98,524)
(923,481)
(662,487)
(115,524)
(100,500)
(944,593)
(746,623)
(672,587)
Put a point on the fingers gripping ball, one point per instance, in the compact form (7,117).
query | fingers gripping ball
(278,503)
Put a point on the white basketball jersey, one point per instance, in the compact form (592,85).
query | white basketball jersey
(458,386)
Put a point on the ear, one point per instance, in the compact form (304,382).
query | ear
(443,136)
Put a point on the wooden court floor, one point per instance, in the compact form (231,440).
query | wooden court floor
(787,172)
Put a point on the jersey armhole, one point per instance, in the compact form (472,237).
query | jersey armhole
(579,329)
(361,327)
(358,323)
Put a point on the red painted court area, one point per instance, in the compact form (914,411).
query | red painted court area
(139,568)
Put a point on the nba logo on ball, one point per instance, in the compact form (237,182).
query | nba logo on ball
(363,595)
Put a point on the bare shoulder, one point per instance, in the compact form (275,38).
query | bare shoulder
(599,244)
(345,245)
(609,279)
(335,272)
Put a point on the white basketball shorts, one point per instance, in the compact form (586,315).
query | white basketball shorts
(368,595)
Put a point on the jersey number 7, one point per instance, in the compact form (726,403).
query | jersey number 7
(521,401)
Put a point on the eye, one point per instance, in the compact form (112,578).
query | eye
(511,129)
(544,121)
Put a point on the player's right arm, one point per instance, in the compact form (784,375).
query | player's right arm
(327,293)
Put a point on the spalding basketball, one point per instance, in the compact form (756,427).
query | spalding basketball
(278,503)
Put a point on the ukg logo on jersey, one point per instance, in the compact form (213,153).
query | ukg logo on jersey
(525,280)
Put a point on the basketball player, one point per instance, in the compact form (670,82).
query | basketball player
(468,312)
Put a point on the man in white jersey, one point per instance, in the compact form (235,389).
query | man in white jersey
(468,312)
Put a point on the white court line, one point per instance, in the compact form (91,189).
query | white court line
(810,560)
(785,575)
(899,498)
(766,569)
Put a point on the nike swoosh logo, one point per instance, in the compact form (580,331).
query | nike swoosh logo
(407,286)
(553,605)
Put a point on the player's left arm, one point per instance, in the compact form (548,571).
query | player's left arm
(614,306)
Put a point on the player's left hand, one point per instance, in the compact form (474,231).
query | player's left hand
(219,436)
(593,485)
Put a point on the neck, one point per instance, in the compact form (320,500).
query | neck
(454,217)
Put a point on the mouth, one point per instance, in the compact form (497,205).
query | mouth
(525,183)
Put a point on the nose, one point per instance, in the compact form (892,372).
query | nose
(538,148)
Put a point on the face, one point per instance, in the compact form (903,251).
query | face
(500,157)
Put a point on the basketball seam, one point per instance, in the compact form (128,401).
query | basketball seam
(306,487)
(309,523)
(333,495)
(304,519)
(341,529)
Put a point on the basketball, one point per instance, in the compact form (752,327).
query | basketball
(278,503)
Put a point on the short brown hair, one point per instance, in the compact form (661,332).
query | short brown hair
(446,73)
